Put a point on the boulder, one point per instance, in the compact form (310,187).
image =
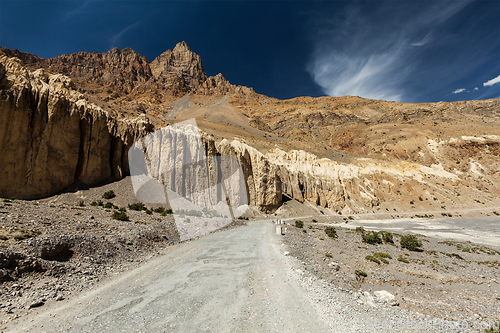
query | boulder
(385,296)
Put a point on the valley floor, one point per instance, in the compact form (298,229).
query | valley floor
(239,280)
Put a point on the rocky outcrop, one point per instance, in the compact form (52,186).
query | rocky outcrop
(50,136)
(180,70)
(120,70)
(261,176)
(216,85)
(175,72)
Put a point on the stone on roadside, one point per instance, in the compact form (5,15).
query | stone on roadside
(36,303)
(385,296)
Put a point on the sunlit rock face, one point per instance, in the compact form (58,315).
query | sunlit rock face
(50,136)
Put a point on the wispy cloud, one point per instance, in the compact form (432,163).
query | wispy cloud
(458,91)
(116,38)
(77,10)
(476,89)
(492,81)
(371,54)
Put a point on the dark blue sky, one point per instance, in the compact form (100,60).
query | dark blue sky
(410,51)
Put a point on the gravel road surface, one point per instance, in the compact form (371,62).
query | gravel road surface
(238,280)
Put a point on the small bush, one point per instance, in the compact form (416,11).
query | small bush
(360,230)
(108,205)
(360,273)
(120,215)
(314,221)
(3,237)
(109,194)
(159,210)
(372,238)
(299,224)
(351,218)
(304,231)
(410,242)
(166,212)
(406,261)
(81,203)
(331,232)
(139,206)
(372,258)
(7,200)
(149,211)
(458,256)
(382,255)
(328,255)
(387,237)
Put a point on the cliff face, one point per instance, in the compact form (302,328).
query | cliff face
(50,136)
(347,154)
(179,70)
(121,70)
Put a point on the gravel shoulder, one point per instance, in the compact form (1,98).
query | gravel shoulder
(449,280)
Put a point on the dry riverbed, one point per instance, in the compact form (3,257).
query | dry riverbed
(445,279)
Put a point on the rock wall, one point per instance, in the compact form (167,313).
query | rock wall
(50,136)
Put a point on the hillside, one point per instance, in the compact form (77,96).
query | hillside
(345,154)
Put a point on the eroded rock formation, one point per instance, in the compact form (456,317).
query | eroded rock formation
(50,136)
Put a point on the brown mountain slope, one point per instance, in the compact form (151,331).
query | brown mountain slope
(344,153)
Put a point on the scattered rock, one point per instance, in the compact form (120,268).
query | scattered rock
(385,296)
(36,303)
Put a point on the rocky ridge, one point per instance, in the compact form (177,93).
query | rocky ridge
(346,154)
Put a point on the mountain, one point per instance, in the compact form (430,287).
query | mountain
(73,117)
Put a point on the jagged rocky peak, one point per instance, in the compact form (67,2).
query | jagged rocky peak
(216,85)
(180,66)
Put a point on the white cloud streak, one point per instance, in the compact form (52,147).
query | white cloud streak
(78,10)
(116,38)
(458,91)
(350,59)
(492,81)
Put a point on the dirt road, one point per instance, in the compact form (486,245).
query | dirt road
(229,281)
(238,280)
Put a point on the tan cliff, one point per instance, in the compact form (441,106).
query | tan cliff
(345,154)
(50,136)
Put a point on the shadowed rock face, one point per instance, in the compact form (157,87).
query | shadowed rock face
(50,136)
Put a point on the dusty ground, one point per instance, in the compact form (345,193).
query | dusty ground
(447,279)
(54,248)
